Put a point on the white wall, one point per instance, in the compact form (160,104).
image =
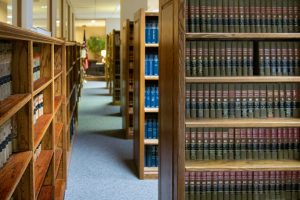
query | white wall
(129,7)
(153,5)
(112,24)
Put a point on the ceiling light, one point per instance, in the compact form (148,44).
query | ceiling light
(9,17)
(9,7)
(93,21)
(118,7)
(43,7)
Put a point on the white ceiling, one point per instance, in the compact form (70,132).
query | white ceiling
(96,9)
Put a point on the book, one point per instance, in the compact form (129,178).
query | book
(193,144)
(200,144)
(200,101)
(187,101)
(187,143)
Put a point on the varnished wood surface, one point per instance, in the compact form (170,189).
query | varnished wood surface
(58,133)
(60,186)
(12,172)
(41,84)
(243,36)
(46,193)
(11,105)
(58,158)
(243,165)
(151,78)
(151,110)
(41,127)
(57,103)
(41,166)
(151,45)
(244,79)
(57,73)
(235,123)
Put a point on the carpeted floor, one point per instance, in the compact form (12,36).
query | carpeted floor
(101,165)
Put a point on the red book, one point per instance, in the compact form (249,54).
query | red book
(192,184)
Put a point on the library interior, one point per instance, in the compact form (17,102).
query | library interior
(149,99)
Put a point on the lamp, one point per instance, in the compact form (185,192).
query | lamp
(103,53)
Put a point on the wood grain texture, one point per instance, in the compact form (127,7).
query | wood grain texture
(46,193)
(151,78)
(235,123)
(151,45)
(244,79)
(12,172)
(41,127)
(60,186)
(11,105)
(243,36)
(57,103)
(243,165)
(41,167)
(151,141)
(58,158)
(151,110)
(41,84)
(58,133)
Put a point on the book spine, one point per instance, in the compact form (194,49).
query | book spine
(226,15)
(263,17)
(267,60)
(261,185)
(244,103)
(212,144)
(205,59)
(197,185)
(223,58)
(228,59)
(206,101)
(296,143)
(193,58)
(206,144)
(267,184)
(231,144)
(193,144)
(269,16)
(231,16)
(252,17)
(192,185)
(274,17)
(250,59)
(211,58)
(238,185)
(192,16)
(284,54)
(219,109)
(187,143)
(214,16)
(212,103)
(263,100)
(262,67)
(203,20)
(234,62)
(270,101)
(256,101)
(231,101)
(209,16)
(282,100)
(250,102)
(258,25)
(200,144)
(187,15)
(288,100)
(272,184)
(238,107)
(188,101)
(199,58)
(273,59)
(279,58)
(288,185)
(188,59)
(237,144)
(221,186)
(268,142)
(217,61)
(200,106)
(255,140)
(236,21)
(290,61)
(279,15)
(220,25)
(232,186)
(209,185)
(250,185)
(297,58)
(278,144)
(197,16)
(225,145)
(193,101)
(243,144)
(286,142)
(187,186)
(256,185)
(245,58)
(239,59)
(278,185)
(244,185)
(225,105)
(226,188)
(261,143)
(203,185)
(215,186)
(219,144)
(249,144)
(276,103)
(241,12)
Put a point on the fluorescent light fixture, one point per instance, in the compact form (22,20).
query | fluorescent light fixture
(9,17)
(9,22)
(118,7)
(93,21)
(43,7)
(57,21)
(9,7)
(103,53)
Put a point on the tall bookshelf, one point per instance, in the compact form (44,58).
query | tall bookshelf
(108,64)
(127,78)
(116,69)
(143,113)
(37,168)
(177,170)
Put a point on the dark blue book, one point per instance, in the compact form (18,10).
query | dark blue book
(154,31)
(154,129)
(153,156)
(147,97)
(155,65)
(148,32)
(146,128)
(152,96)
(156,97)
(147,64)
(150,128)
(150,57)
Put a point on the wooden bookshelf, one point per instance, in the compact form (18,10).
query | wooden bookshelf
(116,66)
(173,163)
(127,78)
(23,176)
(109,62)
(140,81)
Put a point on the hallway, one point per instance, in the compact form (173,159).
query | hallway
(101,164)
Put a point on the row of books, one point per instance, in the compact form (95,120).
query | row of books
(6,137)
(38,110)
(151,31)
(151,156)
(151,127)
(255,16)
(36,63)
(72,128)
(237,58)
(151,65)
(151,95)
(242,143)
(5,69)
(242,185)
(37,152)
(265,100)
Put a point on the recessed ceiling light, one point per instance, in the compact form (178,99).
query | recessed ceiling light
(93,21)
(9,7)
(43,7)
(9,17)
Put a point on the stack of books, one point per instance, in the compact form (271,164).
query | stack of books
(5,70)
(38,107)
(36,63)
(151,95)
(151,32)
(151,64)
(6,138)
(151,127)
(151,156)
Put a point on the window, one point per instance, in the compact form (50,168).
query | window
(58,18)
(40,14)
(6,11)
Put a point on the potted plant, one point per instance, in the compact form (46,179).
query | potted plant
(95,45)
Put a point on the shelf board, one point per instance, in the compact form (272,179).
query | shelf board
(243,36)
(69,70)
(242,165)
(46,193)
(151,169)
(60,186)
(151,172)
(40,128)
(71,92)
(11,105)
(58,158)
(58,131)
(57,103)
(238,123)
(150,45)
(151,110)
(12,172)
(151,141)
(244,79)
(41,166)
(40,85)
(57,73)
(153,14)
(151,78)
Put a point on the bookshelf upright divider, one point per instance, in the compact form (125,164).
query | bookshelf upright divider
(145,102)
(211,141)
(116,69)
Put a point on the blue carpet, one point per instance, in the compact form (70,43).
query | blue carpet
(101,165)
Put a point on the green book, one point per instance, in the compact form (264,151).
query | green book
(199,58)
(187,143)
(219,144)
(220,188)
(296,144)
(267,58)
(192,185)
(274,17)
(279,16)
(278,46)
(252,16)
(282,100)
(231,17)
(268,141)
(226,15)
(269,16)
(286,142)
(200,99)
(250,185)
(212,113)
(206,101)
(245,59)
(212,144)
(197,16)
(198,185)
(200,143)
(188,101)
(272,184)
(193,144)
(276,100)
(261,143)
(215,185)
(244,185)
(244,99)
(211,58)
(232,184)
(236,16)
(226,188)
(203,185)
(238,185)
(187,186)
(290,16)
(220,9)
(261,185)
(217,58)
(203,20)
(231,135)
(205,59)
(223,58)
(263,9)
(231,101)
(194,58)
(187,15)
(285,16)
(209,186)
(262,66)
(206,144)
(256,101)
(192,16)
(228,58)
(249,144)
(267,184)
(250,103)
(292,143)
(263,100)
(239,59)
(256,185)
(237,144)
(194,101)
(242,15)
(238,101)
(219,109)
(209,16)
(188,58)
(247,16)
(225,144)
(250,58)
(255,144)
(225,105)
(278,145)
(234,61)
(214,16)
(243,144)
